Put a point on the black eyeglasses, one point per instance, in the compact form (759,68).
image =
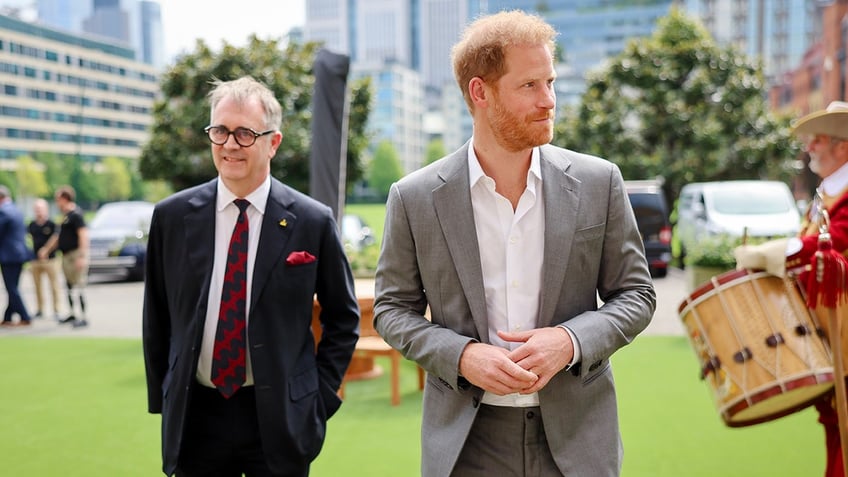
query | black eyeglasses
(245,137)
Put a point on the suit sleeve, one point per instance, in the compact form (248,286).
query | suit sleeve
(156,329)
(339,313)
(624,284)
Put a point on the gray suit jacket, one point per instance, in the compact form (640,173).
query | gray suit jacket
(430,257)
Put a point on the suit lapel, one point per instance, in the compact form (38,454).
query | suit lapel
(457,226)
(277,224)
(199,235)
(562,202)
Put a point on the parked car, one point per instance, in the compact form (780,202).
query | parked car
(356,234)
(651,210)
(118,238)
(759,210)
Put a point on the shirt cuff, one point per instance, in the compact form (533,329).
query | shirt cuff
(577,354)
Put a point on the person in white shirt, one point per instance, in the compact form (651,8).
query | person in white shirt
(509,242)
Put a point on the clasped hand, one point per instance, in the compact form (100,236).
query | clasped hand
(526,369)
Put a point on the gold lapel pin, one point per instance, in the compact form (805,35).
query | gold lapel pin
(284,223)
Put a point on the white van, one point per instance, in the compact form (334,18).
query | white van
(763,209)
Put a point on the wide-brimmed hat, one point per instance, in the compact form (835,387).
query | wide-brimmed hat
(832,121)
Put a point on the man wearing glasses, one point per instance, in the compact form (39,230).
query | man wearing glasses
(232,269)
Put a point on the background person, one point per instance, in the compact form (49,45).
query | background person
(268,415)
(41,229)
(13,255)
(72,241)
(510,241)
(825,137)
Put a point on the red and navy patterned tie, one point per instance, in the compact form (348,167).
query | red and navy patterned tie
(229,354)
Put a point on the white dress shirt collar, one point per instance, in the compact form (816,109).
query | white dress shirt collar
(836,182)
(258,198)
(475,171)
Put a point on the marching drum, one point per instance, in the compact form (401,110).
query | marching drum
(759,347)
(819,315)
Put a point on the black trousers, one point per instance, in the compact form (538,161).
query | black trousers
(222,438)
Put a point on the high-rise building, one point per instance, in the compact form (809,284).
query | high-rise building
(376,34)
(441,23)
(66,15)
(776,31)
(419,35)
(109,19)
(71,95)
(136,23)
(397,113)
(329,21)
(149,36)
(590,31)
(383,32)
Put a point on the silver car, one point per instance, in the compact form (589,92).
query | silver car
(118,238)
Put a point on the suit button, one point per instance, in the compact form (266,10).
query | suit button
(530,415)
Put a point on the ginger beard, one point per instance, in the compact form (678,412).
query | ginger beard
(515,133)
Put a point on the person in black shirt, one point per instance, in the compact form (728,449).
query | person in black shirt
(41,229)
(72,241)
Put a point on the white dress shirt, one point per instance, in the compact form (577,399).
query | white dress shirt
(226,215)
(511,254)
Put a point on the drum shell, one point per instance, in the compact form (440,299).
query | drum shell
(820,317)
(757,344)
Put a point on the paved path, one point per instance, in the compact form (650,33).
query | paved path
(115,308)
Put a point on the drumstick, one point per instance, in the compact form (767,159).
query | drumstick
(839,371)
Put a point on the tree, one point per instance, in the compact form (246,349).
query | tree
(86,184)
(115,179)
(358,138)
(30,175)
(679,106)
(56,171)
(178,150)
(384,169)
(435,151)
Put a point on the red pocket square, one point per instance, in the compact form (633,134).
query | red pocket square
(300,258)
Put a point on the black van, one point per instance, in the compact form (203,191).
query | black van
(651,209)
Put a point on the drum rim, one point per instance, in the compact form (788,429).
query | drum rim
(747,401)
(720,279)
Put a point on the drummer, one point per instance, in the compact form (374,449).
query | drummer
(825,137)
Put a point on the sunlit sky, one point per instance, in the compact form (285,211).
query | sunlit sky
(184,21)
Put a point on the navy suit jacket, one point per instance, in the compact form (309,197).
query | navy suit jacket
(13,248)
(296,385)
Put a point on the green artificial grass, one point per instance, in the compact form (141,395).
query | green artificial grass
(77,407)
